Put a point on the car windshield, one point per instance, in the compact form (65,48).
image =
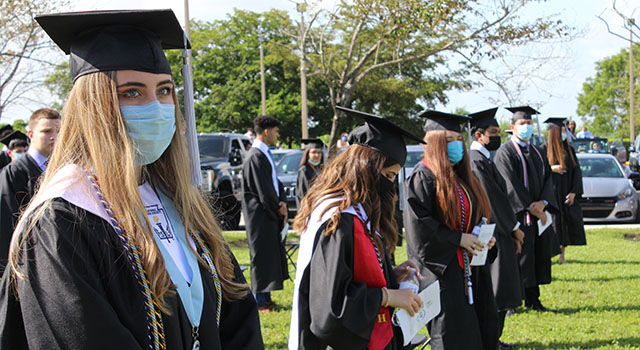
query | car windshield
(213,146)
(600,167)
(591,145)
(277,156)
(290,163)
(413,157)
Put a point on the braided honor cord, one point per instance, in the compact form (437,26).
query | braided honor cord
(464,226)
(154,319)
(206,255)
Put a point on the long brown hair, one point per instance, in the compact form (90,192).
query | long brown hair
(353,175)
(557,148)
(91,120)
(448,177)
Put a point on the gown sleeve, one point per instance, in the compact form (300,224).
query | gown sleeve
(302,185)
(13,191)
(576,180)
(342,311)
(429,240)
(548,193)
(506,161)
(62,302)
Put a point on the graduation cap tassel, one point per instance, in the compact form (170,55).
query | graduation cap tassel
(190,118)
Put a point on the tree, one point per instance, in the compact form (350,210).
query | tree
(604,100)
(364,37)
(59,83)
(23,47)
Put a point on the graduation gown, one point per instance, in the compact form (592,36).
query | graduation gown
(505,272)
(433,245)
(5,159)
(81,293)
(537,250)
(336,309)
(568,224)
(263,224)
(306,175)
(18,182)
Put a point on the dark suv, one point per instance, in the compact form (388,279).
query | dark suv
(221,157)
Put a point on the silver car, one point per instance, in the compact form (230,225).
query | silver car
(608,195)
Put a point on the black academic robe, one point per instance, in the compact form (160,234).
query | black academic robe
(263,224)
(334,310)
(5,159)
(18,182)
(433,245)
(535,259)
(81,293)
(505,272)
(568,224)
(306,175)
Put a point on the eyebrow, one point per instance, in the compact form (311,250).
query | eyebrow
(139,84)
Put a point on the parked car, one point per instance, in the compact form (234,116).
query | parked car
(287,170)
(278,154)
(608,195)
(415,154)
(634,155)
(221,157)
(595,145)
(616,147)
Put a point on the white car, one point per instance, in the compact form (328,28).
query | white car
(608,195)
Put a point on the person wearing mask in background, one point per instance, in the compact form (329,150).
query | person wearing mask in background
(310,167)
(567,185)
(265,214)
(445,203)
(18,180)
(342,142)
(5,159)
(505,272)
(119,249)
(18,144)
(527,174)
(346,289)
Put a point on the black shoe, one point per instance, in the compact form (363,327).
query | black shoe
(541,308)
(505,346)
(510,312)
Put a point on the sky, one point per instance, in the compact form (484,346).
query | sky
(556,95)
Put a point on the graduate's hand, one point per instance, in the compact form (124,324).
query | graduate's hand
(570,198)
(518,235)
(405,299)
(402,271)
(283,209)
(518,246)
(470,243)
(491,243)
(537,209)
(558,169)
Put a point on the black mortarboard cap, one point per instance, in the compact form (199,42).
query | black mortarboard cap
(6,130)
(484,119)
(312,143)
(443,121)
(382,135)
(15,135)
(522,112)
(99,41)
(558,121)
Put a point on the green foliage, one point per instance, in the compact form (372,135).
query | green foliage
(604,100)
(59,83)
(20,125)
(595,294)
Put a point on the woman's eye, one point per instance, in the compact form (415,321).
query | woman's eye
(164,91)
(131,93)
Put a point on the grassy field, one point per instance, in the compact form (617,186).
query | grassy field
(597,295)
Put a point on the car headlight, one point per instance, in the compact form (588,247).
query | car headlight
(626,193)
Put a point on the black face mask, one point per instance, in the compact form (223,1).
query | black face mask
(385,187)
(494,143)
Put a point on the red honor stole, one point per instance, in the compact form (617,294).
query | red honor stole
(366,268)
(464,207)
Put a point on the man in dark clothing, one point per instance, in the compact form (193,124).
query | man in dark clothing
(505,273)
(527,173)
(18,180)
(265,214)
(5,159)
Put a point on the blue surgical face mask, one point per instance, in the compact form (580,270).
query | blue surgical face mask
(564,136)
(17,155)
(455,151)
(151,128)
(524,131)
(314,163)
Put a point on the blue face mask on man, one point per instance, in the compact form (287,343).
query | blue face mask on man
(151,128)
(455,151)
(524,131)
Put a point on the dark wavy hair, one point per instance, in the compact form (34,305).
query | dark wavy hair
(353,175)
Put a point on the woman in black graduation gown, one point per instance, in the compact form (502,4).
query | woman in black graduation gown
(88,269)
(445,201)
(345,287)
(567,186)
(310,167)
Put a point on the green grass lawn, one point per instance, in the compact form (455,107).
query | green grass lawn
(597,295)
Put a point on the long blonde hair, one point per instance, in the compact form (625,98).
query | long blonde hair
(93,136)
